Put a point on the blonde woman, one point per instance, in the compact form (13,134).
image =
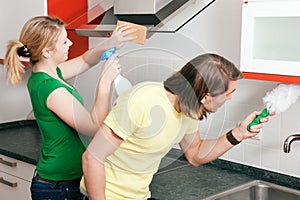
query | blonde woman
(57,105)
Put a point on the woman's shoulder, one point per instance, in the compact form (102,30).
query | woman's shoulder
(40,81)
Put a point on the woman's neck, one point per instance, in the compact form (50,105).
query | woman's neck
(47,68)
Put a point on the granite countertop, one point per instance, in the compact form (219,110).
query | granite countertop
(21,140)
(191,183)
(176,179)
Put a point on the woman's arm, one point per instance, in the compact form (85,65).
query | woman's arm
(68,108)
(92,56)
(110,71)
(104,143)
(199,151)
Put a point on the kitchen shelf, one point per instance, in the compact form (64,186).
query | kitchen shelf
(272,77)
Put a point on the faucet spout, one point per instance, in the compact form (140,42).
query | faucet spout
(288,141)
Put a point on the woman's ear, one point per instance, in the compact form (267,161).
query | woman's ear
(205,98)
(46,54)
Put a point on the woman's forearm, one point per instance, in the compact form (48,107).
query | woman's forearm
(94,176)
(212,149)
(103,144)
(102,101)
(93,56)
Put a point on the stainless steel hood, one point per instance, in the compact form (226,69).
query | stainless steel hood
(159,16)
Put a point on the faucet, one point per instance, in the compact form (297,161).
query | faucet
(288,141)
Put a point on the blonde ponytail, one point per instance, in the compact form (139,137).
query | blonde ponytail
(14,67)
(37,33)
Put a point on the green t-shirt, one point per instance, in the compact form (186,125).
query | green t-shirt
(61,152)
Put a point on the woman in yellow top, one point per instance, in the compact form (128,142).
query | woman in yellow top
(57,105)
(149,119)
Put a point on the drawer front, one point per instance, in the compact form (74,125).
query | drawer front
(16,167)
(12,188)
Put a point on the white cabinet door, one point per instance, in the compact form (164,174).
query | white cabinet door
(15,179)
(13,15)
(270,37)
(16,167)
(13,188)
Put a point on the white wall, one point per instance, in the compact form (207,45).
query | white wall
(14,100)
(13,14)
(15,103)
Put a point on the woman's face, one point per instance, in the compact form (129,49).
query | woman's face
(61,50)
(212,104)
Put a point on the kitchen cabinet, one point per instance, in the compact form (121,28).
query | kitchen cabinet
(270,40)
(15,178)
(13,16)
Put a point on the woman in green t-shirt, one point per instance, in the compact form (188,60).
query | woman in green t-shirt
(57,105)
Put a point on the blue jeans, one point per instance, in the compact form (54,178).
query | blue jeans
(53,191)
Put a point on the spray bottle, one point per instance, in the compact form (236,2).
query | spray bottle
(121,83)
(278,100)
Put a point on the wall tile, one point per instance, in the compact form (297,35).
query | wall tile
(237,153)
(252,154)
(289,163)
(270,158)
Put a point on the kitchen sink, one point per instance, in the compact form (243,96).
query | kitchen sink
(257,190)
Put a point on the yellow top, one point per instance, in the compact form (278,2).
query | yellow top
(149,125)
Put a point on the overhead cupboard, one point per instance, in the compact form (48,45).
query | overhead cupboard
(270,45)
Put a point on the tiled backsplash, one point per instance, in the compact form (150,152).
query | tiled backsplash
(266,151)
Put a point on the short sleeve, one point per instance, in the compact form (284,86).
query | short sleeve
(192,126)
(45,88)
(128,114)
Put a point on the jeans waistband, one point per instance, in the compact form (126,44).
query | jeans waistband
(74,182)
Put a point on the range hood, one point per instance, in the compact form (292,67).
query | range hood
(159,16)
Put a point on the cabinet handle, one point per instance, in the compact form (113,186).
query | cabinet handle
(8,183)
(11,164)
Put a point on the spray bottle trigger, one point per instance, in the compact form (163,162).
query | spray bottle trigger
(108,53)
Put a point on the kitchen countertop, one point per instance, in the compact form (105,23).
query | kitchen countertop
(176,179)
(191,183)
(21,140)
(179,180)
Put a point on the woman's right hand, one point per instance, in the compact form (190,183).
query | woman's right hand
(241,132)
(121,35)
(111,68)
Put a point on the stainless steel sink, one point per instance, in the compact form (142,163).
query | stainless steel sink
(257,190)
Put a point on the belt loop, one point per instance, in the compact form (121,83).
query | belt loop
(34,173)
(53,184)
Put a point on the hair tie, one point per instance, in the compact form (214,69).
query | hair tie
(23,52)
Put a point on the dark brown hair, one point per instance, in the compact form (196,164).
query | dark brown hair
(207,73)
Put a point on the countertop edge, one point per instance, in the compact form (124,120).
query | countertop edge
(253,172)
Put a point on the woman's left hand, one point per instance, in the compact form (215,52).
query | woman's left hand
(121,35)
(111,69)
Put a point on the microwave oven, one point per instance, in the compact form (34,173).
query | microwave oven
(270,40)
